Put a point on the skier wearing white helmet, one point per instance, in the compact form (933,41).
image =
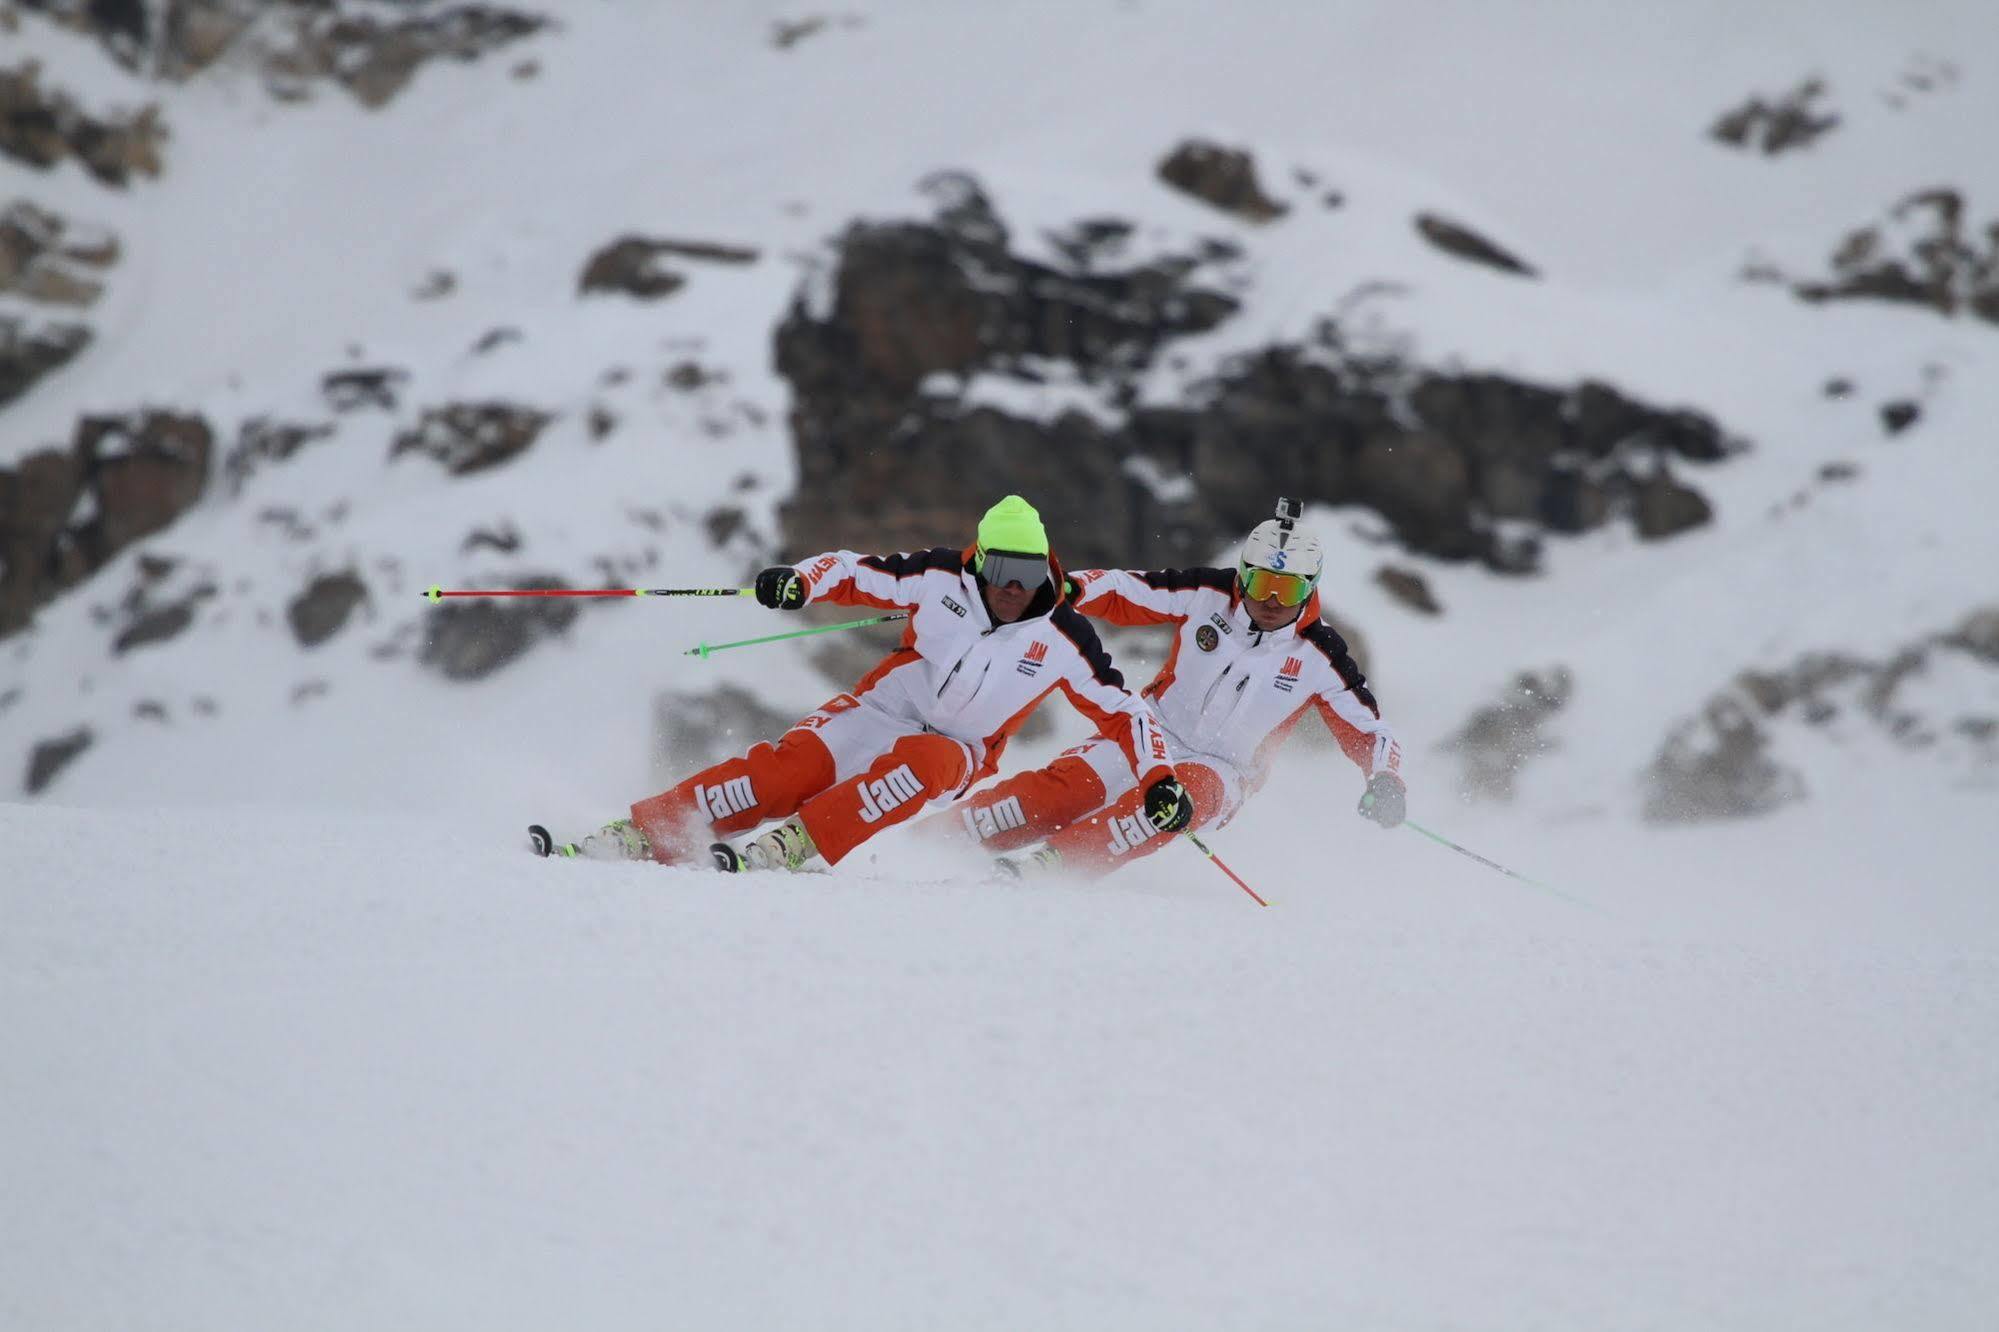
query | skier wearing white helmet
(1250,658)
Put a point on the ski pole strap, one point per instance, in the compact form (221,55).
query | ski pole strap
(435,593)
(1469,854)
(1202,847)
(704,650)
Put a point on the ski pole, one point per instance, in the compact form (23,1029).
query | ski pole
(1202,847)
(703,650)
(1416,827)
(435,593)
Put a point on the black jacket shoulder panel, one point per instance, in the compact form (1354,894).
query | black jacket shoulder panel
(905,564)
(1325,638)
(1078,631)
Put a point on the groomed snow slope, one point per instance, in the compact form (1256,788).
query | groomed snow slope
(310,1072)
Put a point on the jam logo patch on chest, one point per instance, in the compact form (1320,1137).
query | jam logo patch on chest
(1287,678)
(1032,660)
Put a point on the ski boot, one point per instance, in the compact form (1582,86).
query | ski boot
(787,847)
(619,839)
(1046,860)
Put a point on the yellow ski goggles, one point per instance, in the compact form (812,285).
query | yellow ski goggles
(1290,589)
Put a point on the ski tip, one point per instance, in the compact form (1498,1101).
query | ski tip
(539,840)
(727,859)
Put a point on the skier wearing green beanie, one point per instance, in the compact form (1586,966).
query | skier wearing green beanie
(990,635)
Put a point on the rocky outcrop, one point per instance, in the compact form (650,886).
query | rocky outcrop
(469,640)
(65,513)
(47,258)
(371,53)
(44,127)
(1223,178)
(1928,253)
(468,437)
(1789,122)
(29,350)
(884,364)
(1501,739)
(375,58)
(1721,763)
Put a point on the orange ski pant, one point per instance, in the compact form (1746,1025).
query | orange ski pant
(1067,805)
(797,776)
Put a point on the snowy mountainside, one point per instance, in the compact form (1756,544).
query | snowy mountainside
(299,237)
(303,1038)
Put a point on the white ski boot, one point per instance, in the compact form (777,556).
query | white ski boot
(1046,860)
(620,839)
(785,847)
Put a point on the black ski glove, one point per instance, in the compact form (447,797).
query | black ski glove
(1384,802)
(780,588)
(1168,807)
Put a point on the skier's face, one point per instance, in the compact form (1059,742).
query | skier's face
(1008,603)
(1270,613)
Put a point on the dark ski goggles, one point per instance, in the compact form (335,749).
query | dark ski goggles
(1290,589)
(1000,567)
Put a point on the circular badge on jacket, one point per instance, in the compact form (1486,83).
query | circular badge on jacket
(1205,638)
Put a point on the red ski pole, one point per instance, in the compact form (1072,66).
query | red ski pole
(1202,847)
(435,593)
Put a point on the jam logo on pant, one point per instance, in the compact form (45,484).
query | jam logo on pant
(1128,831)
(886,793)
(724,799)
(994,819)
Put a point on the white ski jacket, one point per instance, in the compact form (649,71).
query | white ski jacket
(1232,690)
(959,674)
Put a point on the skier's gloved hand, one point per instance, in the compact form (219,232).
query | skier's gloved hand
(780,588)
(1384,801)
(1168,807)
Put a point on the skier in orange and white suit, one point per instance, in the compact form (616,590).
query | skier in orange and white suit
(1250,659)
(990,636)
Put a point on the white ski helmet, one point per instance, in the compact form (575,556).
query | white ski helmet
(1281,546)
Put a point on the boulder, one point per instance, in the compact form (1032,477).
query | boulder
(51,756)
(318,612)
(1223,178)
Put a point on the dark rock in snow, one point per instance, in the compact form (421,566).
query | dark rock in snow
(1462,242)
(1499,740)
(1408,587)
(30,351)
(45,127)
(51,756)
(692,730)
(1899,415)
(1222,177)
(468,437)
(1771,128)
(348,390)
(469,640)
(155,626)
(1663,507)
(317,613)
(262,441)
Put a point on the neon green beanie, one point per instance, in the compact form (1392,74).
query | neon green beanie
(1013,525)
